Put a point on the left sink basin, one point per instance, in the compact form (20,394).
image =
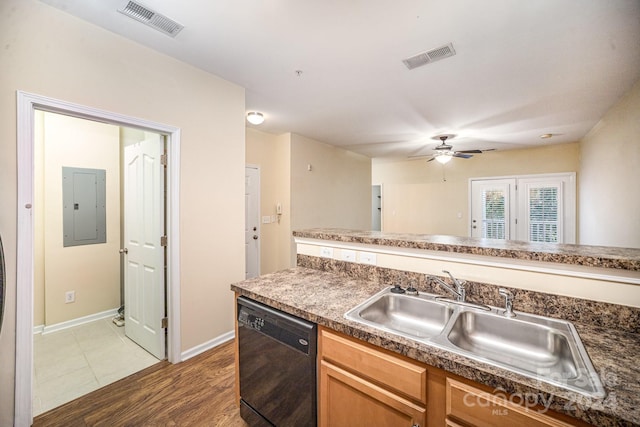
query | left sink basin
(409,315)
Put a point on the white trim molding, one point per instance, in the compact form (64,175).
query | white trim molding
(27,103)
(219,340)
(44,330)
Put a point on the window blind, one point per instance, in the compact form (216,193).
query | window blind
(543,214)
(493,212)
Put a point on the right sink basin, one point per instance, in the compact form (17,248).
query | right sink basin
(526,346)
(535,346)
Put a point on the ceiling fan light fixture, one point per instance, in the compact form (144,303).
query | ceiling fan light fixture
(255,118)
(443,158)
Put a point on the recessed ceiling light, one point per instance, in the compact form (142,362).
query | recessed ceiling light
(255,118)
(546,135)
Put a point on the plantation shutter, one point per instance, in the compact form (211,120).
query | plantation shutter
(493,214)
(544,212)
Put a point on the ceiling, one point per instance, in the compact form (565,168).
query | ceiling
(521,68)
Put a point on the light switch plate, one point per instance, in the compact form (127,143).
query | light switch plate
(266,220)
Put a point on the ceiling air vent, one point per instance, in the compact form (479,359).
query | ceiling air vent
(429,56)
(153,19)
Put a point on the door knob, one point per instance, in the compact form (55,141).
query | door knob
(124,251)
(255,237)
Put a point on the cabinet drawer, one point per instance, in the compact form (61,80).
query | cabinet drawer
(398,374)
(479,408)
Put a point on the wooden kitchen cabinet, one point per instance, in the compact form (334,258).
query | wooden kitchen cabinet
(349,400)
(468,405)
(364,386)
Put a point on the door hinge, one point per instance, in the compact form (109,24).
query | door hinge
(163,240)
(163,160)
(165,322)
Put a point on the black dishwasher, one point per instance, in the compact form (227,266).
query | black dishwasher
(277,358)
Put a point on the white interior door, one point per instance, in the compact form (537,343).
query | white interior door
(144,280)
(252,221)
(492,206)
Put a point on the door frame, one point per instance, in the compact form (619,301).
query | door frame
(27,103)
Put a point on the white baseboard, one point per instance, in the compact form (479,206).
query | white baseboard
(194,351)
(43,329)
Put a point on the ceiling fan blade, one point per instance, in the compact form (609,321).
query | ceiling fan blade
(475,151)
(462,156)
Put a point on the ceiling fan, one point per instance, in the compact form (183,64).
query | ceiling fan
(444,152)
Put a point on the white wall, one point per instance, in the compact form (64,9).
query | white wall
(430,198)
(48,52)
(610,175)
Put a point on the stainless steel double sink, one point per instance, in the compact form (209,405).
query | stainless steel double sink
(546,349)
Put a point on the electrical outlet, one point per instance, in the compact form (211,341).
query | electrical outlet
(368,258)
(348,255)
(69,296)
(326,252)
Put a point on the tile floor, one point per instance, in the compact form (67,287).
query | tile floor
(78,360)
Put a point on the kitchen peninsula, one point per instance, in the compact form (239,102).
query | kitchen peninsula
(339,269)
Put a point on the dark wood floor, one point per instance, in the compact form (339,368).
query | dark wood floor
(197,392)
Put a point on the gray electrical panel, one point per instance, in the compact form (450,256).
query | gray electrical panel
(84,206)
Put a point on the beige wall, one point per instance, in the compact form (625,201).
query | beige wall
(271,153)
(421,197)
(92,271)
(336,192)
(609,177)
(48,52)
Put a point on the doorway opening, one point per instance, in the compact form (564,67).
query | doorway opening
(87,258)
(27,106)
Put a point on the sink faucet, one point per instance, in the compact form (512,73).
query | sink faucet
(508,305)
(459,291)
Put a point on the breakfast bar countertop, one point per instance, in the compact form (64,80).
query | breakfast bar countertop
(324,297)
(578,255)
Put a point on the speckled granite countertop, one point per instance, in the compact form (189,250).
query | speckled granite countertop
(324,297)
(590,256)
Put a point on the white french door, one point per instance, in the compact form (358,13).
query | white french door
(144,279)
(534,208)
(492,205)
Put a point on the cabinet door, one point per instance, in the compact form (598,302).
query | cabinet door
(348,400)
(478,408)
